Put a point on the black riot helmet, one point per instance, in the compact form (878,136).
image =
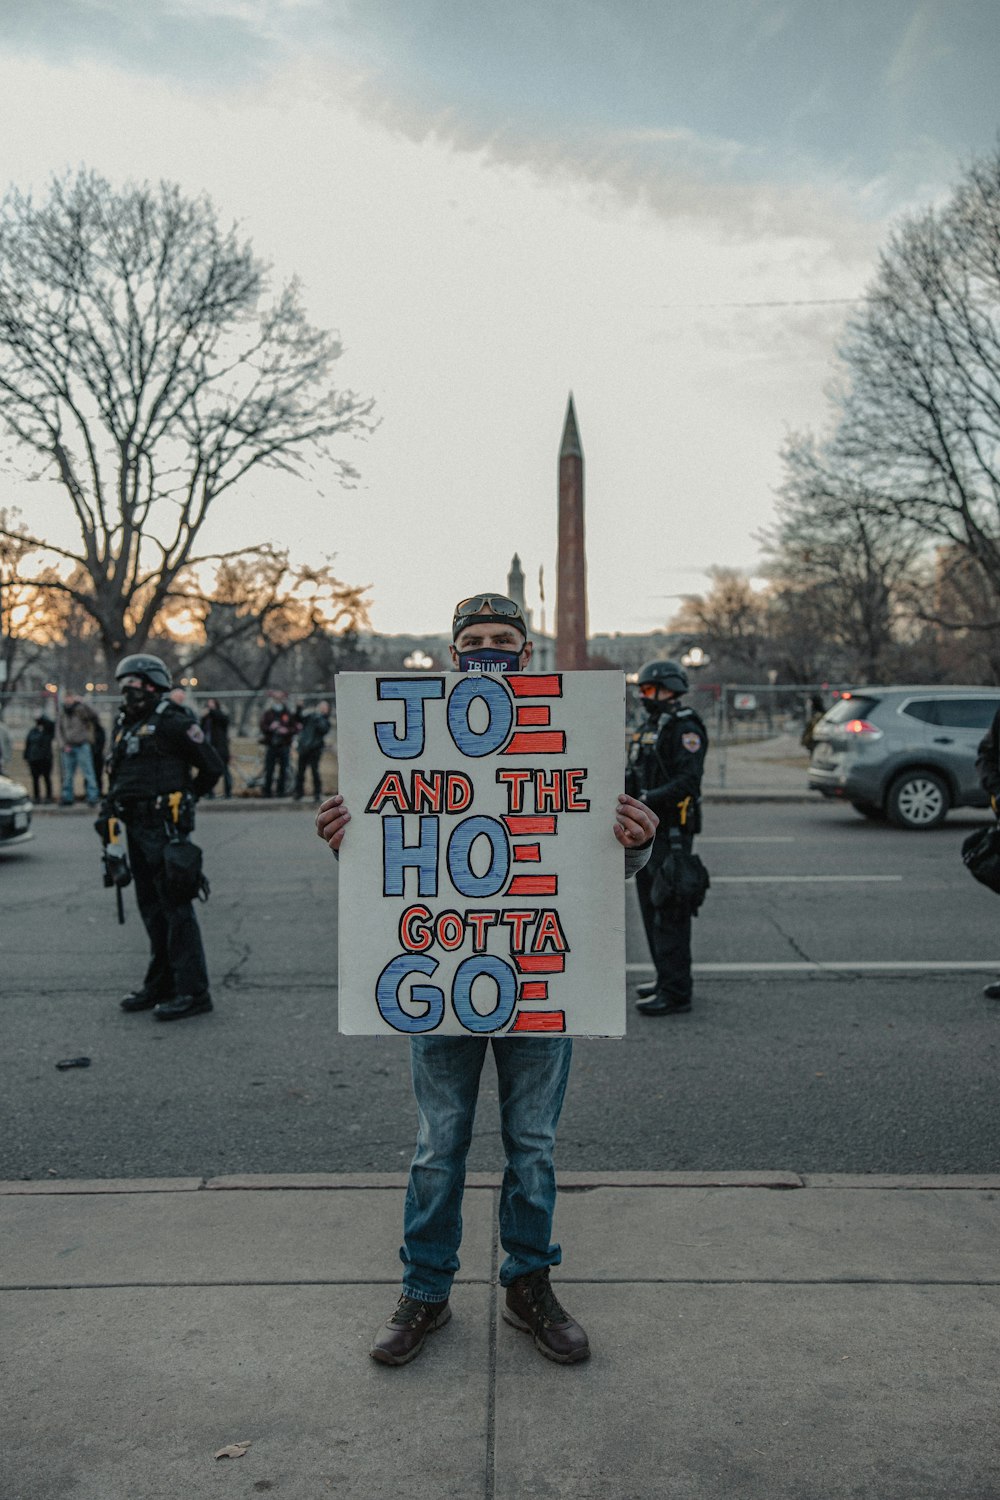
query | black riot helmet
(668,674)
(151,668)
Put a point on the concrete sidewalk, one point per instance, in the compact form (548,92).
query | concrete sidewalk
(754,1336)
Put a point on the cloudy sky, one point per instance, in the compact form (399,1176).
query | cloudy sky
(664,206)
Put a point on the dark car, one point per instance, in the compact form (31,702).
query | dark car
(906,754)
(16,808)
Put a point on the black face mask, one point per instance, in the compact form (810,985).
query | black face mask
(654,707)
(489,659)
(136,703)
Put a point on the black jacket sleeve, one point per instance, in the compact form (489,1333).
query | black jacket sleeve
(187,739)
(988,759)
(681,751)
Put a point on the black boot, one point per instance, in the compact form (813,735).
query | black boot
(663,1005)
(141,999)
(181,1006)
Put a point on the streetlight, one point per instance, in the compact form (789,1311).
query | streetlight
(695,657)
(418,661)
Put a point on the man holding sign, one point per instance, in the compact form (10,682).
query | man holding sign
(515,776)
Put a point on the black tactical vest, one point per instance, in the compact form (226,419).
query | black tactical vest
(143,760)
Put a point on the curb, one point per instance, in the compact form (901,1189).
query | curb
(211,805)
(311,1182)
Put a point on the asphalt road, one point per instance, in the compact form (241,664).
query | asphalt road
(776,1067)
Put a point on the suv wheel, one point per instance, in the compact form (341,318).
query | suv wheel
(918,799)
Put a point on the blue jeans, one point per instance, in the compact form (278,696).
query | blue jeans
(531,1074)
(78,757)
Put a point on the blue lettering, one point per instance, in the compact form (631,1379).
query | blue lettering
(413,692)
(505,979)
(499,707)
(398,857)
(387,994)
(460,870)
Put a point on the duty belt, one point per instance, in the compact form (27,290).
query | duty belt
(151,808)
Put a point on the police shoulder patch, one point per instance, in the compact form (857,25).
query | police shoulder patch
(196,733)
(691,741)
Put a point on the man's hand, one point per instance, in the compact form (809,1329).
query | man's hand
(332,820)
(635,823)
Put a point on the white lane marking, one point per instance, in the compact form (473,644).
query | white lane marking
(845,966)
(813,879)
(756,839)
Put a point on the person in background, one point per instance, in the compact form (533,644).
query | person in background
(816,712)
(665,766)
(38,754)
(215,726)
(98,743)
(278,728)
(160,764)
(312,738)
(179,696)
(75,736)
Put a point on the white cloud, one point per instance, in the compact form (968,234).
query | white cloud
(475,280)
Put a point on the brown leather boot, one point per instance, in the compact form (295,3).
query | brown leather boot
(533,1306)
(402,1337)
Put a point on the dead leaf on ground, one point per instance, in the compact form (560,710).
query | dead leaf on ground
(233,1450)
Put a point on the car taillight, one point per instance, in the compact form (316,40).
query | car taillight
(861,726)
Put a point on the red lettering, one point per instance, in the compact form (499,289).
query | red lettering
(426,794)
(540,1020)
(549,930)
(389,789)
(575,800)
(450,931)
(515,782)
(539,686)
(536,742)
(548,792)
(458,792)
(540,963)
(414,934)
(533,885)
(480,922)
(517,921)
(517,827)
(533,713)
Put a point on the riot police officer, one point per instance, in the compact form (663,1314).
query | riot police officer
(666,761)
(155,748)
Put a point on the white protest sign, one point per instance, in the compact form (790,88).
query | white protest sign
(481,884)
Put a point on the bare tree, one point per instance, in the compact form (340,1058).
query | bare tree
(263,608)
(843,569)
(31,617)
(144,367)
(920,411)
(731,618)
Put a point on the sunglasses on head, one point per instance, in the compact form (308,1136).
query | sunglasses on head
(485,604)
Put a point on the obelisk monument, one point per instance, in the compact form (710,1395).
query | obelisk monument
(571,567)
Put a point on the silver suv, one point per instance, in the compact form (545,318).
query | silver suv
(903,753)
